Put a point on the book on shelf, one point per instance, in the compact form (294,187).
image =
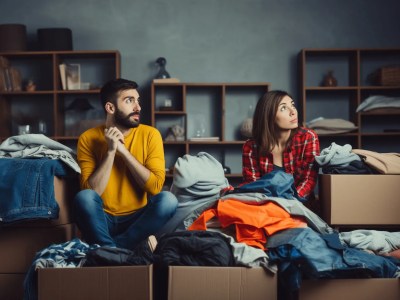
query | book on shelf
(3,86)
(10,80)
(10,77)
(4,62)
(73,76)
(204,139)
(63,75)
(166,80)
(15,78)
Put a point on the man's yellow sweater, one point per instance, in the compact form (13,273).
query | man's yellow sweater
(122,194)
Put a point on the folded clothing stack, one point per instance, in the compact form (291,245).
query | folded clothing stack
(331,126)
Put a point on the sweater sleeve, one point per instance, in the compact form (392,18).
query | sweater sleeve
(155,162)
(86,158)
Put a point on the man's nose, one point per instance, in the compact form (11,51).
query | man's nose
(136,106)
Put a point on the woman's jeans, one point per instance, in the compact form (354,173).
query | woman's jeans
(99,227)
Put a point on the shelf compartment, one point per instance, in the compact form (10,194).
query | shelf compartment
(374,59)
(168,93)
(343,64)
(204,110)
(339,104)
(164,122)
(240,103)
(78,112)
(96,67)
(39,69)
(29,109)
(376,142)
(376,123)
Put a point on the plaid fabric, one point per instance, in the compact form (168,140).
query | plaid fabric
(298,159)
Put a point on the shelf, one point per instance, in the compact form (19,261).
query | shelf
(18,93)
(336,88)
(387,112)
(169,112)
(352,68)
(377,88)
(49,102)
(377,134)
(81,92)
(217,109)
(339,134)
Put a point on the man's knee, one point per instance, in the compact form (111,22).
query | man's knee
(86,200)
(167,203)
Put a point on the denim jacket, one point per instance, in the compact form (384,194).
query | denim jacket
(27,188)
(302,251)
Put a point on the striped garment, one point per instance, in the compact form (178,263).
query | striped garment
(70,254)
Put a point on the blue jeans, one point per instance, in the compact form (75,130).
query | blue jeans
(99,227)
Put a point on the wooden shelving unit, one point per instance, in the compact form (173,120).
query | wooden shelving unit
(49,102)
(217,109)
(352,68)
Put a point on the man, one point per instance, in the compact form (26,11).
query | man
(122,162)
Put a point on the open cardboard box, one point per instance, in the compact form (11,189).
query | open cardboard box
(221,283)
(96,283)
(18,246)
(360,199)
(11,286)
(355,289)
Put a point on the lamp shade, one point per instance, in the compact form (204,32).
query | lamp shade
(13,37)
(54,39)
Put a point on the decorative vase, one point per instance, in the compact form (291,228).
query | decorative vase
(329,79)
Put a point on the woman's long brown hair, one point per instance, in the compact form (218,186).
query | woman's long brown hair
(265,130)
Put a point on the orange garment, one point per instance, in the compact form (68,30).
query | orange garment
(253,222)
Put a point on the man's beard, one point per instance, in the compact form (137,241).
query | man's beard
(124,120)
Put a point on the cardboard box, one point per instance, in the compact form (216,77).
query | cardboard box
(360,199)
(221,283)
(11,286)
(355,289)
(96,283)
(19,245)
(65,190)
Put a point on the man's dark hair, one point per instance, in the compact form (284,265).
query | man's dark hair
(110,90)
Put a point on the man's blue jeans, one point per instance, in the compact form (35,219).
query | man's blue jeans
(99,227)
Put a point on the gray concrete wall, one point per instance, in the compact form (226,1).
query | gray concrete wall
(212,40)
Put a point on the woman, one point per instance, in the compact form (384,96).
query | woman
(279,143)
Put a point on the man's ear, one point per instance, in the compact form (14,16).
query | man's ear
(110,108)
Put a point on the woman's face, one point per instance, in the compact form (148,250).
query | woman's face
(286,116)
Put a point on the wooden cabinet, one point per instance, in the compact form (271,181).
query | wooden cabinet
(377,131)
(64,113)
(211,115)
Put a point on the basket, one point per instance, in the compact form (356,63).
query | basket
(387,76)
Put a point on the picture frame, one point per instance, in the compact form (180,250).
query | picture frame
(73,76)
